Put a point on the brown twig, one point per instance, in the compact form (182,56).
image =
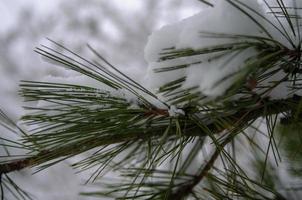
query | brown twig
(158,112)
(16,165)
(186,190)
(242,116)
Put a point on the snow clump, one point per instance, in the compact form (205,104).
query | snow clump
(205,71)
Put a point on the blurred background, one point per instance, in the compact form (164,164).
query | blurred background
(118,29)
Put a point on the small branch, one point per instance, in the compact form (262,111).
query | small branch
(158,112)
(186,190)
(20,164)
(245,116)
(15,165)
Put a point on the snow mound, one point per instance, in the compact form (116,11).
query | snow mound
(213,76)
(175,112)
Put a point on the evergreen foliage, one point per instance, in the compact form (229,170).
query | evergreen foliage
(159,155)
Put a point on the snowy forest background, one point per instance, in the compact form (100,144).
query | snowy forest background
(119,29)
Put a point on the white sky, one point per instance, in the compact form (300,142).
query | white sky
(9,9)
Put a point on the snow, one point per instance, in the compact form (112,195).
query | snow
(210,75)
(223,18)
(57,182)
(213,76)
(175,112)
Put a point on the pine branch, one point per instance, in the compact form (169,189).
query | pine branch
(18,164)
(78,118)
(246,115)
